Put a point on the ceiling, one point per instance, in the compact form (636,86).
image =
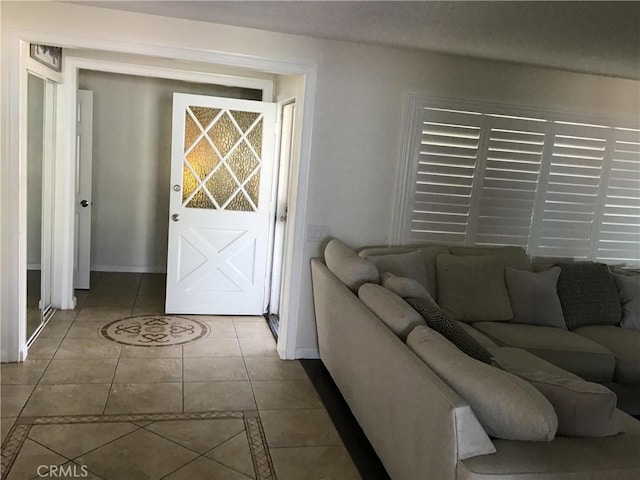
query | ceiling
(592,37)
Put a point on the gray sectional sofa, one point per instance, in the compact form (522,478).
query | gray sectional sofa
(407,386)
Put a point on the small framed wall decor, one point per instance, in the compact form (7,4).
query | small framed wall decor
(47,55)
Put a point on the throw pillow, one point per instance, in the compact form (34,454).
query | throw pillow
(534,297)
(472,288)
(629,291)
(584,409)
(394,312)
(351,269)
(507,406)
(403,286)
(588,295)
(409,264)
(448,329)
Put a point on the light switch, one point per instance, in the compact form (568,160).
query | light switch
(317,233)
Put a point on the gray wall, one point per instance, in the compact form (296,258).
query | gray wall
(131,166)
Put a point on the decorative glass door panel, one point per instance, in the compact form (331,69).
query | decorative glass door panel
(222,159)
(221,171)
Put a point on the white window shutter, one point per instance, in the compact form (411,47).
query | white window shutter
(447,156)
(571,193)
(509,180)
(619,232)
(548,182)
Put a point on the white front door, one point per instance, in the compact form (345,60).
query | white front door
(84,150)
(221,205)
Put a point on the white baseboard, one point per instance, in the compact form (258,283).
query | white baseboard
(311,353)
(130,268)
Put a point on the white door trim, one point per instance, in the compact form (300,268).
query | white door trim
(13,243)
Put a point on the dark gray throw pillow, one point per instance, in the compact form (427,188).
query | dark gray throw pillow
(629,290)
(588,295)
(446,327)
(534,298)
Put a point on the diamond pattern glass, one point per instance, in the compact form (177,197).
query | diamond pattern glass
(224,134)
(230,180)
(242,161)
(240,203)
(191,131)
(255,138)
(204,115)
(222,185)
(244,119)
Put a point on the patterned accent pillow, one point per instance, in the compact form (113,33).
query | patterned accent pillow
(588,295)
(446,327)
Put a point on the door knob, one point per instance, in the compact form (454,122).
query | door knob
(175,217)
(84,203)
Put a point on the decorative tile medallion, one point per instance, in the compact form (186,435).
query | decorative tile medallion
(154,331)
(260,460)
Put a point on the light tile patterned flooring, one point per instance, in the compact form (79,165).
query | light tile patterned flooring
(70,370)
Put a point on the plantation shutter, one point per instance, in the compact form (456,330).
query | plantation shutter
(572,189)
(447,154)
(619,234)
(546,182)
(509,181)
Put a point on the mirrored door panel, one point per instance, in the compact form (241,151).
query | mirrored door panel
(40,138)
(35,154)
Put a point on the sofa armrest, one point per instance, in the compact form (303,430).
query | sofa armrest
(419,427)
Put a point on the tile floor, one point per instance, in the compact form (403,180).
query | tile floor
(70,370)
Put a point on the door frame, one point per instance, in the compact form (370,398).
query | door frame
(13,243)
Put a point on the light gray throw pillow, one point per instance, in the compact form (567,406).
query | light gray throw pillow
(507,406)
(534,298)
(629,290)
(348,266)
(410,265)
(472,288)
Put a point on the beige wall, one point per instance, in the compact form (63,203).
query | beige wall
(361,93)
(131,166)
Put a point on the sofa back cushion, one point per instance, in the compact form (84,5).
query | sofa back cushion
(588,295)
(429,254)
(514,257)
(348,266)
(507,406)
(408,264)
(391,309)
(534,297)
(472,288)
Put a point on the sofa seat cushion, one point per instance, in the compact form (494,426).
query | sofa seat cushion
(511,358)
(567,350)
(624,343)
(563,458)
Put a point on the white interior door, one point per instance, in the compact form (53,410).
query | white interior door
(84,142)
(222,167)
